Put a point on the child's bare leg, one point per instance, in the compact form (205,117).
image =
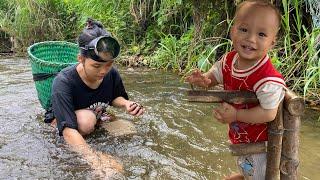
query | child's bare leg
(235,177)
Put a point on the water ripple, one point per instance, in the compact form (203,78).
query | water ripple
(175,140)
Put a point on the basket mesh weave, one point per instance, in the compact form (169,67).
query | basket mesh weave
(50,57)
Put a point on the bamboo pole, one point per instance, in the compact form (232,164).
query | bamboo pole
(294,108)
(275,133)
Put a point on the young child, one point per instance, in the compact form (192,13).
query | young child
(248,68)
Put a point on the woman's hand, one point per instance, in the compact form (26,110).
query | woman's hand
(131,107)
(105,165)
(134,108)
(198,79)
(225,113)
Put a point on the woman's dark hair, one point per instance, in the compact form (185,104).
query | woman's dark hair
(92,30)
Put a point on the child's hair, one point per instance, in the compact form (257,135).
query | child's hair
(260,3)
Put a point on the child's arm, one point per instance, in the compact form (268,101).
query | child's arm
(228,114)
(208,79)
(257,115)
(270,95)
(212,73)
(202,80)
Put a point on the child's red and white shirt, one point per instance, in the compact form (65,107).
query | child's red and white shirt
(263,79)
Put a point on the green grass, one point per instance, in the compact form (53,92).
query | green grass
(164,32)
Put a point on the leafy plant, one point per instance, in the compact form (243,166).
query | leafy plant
(29,21)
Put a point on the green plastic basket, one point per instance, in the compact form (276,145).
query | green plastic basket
(48,58)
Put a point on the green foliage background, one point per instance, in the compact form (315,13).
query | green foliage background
(177,35)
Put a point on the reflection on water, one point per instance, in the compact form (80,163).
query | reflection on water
(175,140)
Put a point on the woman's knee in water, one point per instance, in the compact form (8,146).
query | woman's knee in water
(86,121)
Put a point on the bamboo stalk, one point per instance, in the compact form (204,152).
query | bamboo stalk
(275,133)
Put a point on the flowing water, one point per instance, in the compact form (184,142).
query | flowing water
(176,139)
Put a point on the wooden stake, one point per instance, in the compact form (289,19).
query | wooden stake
(293,103)
(275,133)
(294,108)
(290,147)
(249,148)
(235,97)
(283,132)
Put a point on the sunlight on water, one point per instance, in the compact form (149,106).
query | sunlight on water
(175,140)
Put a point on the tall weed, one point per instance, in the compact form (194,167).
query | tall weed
(29,21)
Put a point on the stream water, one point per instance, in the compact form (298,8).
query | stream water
(176,139)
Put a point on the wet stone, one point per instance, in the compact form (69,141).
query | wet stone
(120,128)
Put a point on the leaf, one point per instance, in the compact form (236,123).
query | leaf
(203,64)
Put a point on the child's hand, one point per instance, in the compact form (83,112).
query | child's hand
(134,108)
(198,79)
(225,113)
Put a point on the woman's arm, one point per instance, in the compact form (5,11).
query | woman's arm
(119,102)
(102,163)
(131,107)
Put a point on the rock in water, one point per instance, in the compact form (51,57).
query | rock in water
(120,127)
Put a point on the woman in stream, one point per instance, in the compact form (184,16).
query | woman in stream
(81,94)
